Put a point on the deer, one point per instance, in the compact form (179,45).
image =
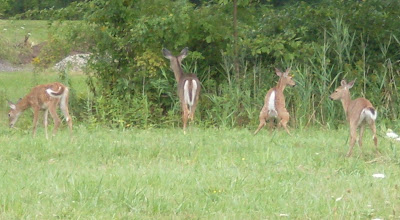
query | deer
(45,97)
(274,102)
(359,112)
(188,86)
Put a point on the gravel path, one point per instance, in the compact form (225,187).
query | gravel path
(7,67)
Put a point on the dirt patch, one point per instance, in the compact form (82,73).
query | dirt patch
(29,53)
(7,67)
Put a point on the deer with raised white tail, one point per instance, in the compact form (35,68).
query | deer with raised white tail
(359,112)
(43,97)
(188,85)
(274,102)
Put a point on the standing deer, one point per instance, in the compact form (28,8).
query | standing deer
(43,97)
(188,85)
(274,102)
(358,112)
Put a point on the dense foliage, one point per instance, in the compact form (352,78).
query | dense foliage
(322,41)
(34,9)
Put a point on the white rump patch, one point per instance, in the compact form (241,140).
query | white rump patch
(194,89)
(271,105)
(367,115)
(50,92)
(186,92)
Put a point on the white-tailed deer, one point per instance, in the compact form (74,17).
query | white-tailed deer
(358,112)
(43,97)
(188,85)
(274,102)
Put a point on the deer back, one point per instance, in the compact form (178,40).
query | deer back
(356,107)
(45,95)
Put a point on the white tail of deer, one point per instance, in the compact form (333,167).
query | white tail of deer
(359,112)
(43,97)
(188,85)
(274,102)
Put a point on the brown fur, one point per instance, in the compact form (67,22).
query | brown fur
(181,78)
(353,110)
(282,113)
(38,99)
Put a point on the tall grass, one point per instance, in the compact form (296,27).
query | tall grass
(335,59)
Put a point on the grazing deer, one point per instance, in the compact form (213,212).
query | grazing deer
(359,112)
(274,102)
(43,97)
(188,85)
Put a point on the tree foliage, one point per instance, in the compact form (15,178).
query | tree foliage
(32,8)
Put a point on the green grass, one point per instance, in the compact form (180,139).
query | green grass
(208,174)
(14,31)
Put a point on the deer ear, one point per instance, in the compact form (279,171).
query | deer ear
(351,84)
(12,105)
(167,54)
(288,70)
(278,72)
(183,54)
(343,82)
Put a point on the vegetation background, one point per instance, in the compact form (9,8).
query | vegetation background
(234,55)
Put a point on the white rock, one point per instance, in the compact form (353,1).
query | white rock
(379,175)
(76,62)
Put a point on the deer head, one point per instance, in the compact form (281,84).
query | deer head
(342,91)
(176,61)
(13,114)
(284,77)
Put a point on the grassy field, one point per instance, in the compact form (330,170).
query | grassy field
(14,31)
(104,173)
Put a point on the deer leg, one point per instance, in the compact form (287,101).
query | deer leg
(373,129)
(56,119)
(284,116)
(35,120)
(64,109)
(191,116)
(362,128)
(353,137)
(46,115)
(185,114)
(263,117)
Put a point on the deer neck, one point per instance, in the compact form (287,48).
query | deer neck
(23,104)
(177,69)
(346,102)
(281,86)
